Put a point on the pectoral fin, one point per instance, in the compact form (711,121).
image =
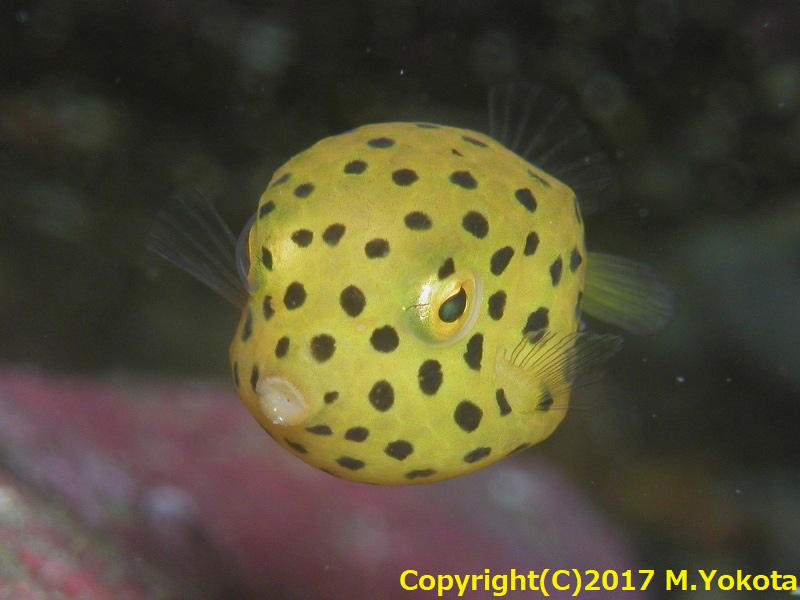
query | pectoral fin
(627,294)
(544,365)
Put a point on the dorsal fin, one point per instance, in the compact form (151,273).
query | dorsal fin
(190,233)
(541,126)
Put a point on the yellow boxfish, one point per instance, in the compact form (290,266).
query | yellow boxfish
(411,293)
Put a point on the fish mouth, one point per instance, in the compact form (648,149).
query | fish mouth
(282,402)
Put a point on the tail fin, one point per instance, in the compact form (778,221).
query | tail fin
(627,294)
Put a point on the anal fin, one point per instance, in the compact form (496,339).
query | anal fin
(627,294)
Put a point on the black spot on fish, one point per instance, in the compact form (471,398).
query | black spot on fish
(525,197)
(420,473)
(304,190)
(350,463)
(282,347)
(472,140)
(477,454)
(377,248)
(352,300)
(356,434)
(247,328)
(295,295)
(575,260)
(295,446)
(282,179)
(355,167)
(456,152)
(536,336)
(254,378)
(463,179)
(474,352)
(545,402)
(519,448)
(267,308)
(319,430)
(384,339)
(531,243)
(381,142)
(381,396)
(448,268)
(502,402)
(302,237)
(467,416)
(330,397)
(266,258)
(500,260)
(404,177)
(265,209)
(430,377)
(497,304)
(418,221)
(555,271)
(427,126)
(537,320)
(544,182)
(332,234)
(476,224)
(399,449)
(322,347)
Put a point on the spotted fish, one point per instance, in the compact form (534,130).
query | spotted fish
(411,293)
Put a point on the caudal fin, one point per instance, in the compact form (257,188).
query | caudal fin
(627,294)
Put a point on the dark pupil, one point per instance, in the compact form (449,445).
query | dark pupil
(453,307)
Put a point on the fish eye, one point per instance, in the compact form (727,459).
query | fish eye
(453,307)
(444,311)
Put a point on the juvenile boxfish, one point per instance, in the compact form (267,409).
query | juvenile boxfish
(411,293)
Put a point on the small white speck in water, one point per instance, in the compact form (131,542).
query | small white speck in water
(512,488)
(364,539)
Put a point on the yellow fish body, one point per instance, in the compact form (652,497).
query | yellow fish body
(413,303)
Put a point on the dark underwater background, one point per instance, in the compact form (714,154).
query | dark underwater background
(685,456)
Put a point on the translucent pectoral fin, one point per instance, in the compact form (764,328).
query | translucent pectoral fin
(544,365)
(190,233)
(627,294)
